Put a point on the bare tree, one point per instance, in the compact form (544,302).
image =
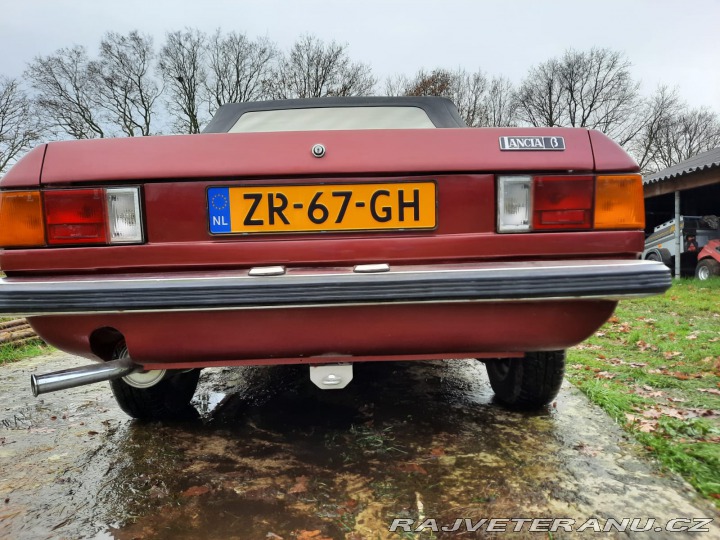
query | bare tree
(688,133)
(182,66)
(67,93)
(238,68)
(128,89)
(501,105)
(540,97)
(438,82)
(590,89)
(18,128)
(469,91)
(317,69)
(655,117)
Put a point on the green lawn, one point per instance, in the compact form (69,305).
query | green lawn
(655,368)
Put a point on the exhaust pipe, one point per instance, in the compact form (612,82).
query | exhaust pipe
(70,378)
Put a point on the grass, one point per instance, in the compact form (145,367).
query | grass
(655,368)
(12,353)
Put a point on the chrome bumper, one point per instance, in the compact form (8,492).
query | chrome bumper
(310,287)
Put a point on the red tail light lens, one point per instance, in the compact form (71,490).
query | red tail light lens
(76,216)
(562,202)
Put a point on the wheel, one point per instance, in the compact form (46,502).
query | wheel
(166,400)
(662,255)
(707,268)
(527,383)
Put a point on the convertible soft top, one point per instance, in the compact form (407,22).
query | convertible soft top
(441,111)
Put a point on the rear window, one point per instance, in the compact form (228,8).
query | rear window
(333,118)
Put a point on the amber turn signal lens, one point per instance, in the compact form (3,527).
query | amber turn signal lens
(21,219)
(619,202)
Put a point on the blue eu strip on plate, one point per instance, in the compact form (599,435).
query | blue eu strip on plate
(219,209)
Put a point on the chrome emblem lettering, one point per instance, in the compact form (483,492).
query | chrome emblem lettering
(532,143)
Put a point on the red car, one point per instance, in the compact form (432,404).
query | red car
(322,232)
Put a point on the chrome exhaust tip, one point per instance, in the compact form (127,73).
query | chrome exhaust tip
(80,376)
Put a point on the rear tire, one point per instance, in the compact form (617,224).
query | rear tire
(707,268)
(167,400)
(527,383)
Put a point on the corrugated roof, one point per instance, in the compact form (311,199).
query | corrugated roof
(700,162)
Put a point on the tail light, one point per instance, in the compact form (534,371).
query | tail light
(75,216)
(570,202)
(21,219)
(70,217)
(619,203)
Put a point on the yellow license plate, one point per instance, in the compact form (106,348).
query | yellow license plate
(317,208)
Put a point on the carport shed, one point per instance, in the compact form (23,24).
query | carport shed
(690,188)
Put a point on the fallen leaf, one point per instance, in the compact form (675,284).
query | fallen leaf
(613,320)
(668,355)
(604,375)
(638,364)
(311,535)
(300,485)
(710,391)
(194,491)
(273,536)
(702,412)
(624,328)
(676,400)
(647,426)
(437,452)
(656,412)
(411,468)
(691,336)
(599,334)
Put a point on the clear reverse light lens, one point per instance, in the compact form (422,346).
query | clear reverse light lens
(125,221)
(514,203)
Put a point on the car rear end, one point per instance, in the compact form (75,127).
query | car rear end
(323,246)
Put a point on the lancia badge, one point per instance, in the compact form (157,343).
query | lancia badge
(530,142)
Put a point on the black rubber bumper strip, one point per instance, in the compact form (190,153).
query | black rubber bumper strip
(499,284)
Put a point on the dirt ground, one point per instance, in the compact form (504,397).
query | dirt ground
(269,456)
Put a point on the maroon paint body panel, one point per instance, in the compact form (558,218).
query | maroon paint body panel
(238,337)
(280,155)
(324,252)
(26,172)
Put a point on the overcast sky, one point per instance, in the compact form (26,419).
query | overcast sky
(668,42)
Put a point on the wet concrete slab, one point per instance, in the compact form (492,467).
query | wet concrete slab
(267,455)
